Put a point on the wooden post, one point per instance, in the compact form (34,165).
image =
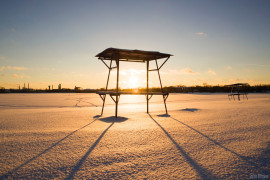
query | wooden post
(117,84)
(110,68)
(164,98)
(159,77)
(147,99)
(238,92)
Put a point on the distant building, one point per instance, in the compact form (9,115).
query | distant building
(77,88)
(59,86)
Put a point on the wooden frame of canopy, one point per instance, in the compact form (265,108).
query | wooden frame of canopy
(117,55)
(238,89)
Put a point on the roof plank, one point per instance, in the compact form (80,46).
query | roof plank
(131,55)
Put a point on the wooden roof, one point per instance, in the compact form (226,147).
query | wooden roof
(131,55)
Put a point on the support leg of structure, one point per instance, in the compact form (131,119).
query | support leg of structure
(103,105)
(116,100)
(116,106)
(238,92)
(164,98)
(117,86)
(104,98)
(147,88)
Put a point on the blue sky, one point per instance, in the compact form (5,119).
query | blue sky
(214,42)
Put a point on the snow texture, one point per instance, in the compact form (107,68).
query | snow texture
(204,136)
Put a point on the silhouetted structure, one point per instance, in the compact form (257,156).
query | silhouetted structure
(237,90)
(77,89)
(117,55)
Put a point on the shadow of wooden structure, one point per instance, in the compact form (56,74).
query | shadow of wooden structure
(116,55)
(238,90)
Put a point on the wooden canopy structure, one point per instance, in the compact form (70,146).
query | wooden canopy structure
(117,55)
(238,89)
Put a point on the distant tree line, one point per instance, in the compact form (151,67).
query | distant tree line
(170,89)
(206,88)
(64,90)
(216,89)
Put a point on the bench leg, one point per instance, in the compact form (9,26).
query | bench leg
(104,98)
(164,99)
(116,106)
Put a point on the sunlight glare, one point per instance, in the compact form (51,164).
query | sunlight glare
(133,82)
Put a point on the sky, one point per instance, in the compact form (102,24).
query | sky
(213,42)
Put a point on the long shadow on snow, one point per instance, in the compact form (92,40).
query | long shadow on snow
(79,164)
(264,159)
(43,152)
(260,169)
(81,100)
(203,173)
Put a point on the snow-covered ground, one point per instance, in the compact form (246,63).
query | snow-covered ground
(205,136)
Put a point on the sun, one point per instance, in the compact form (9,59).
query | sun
(133,82)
